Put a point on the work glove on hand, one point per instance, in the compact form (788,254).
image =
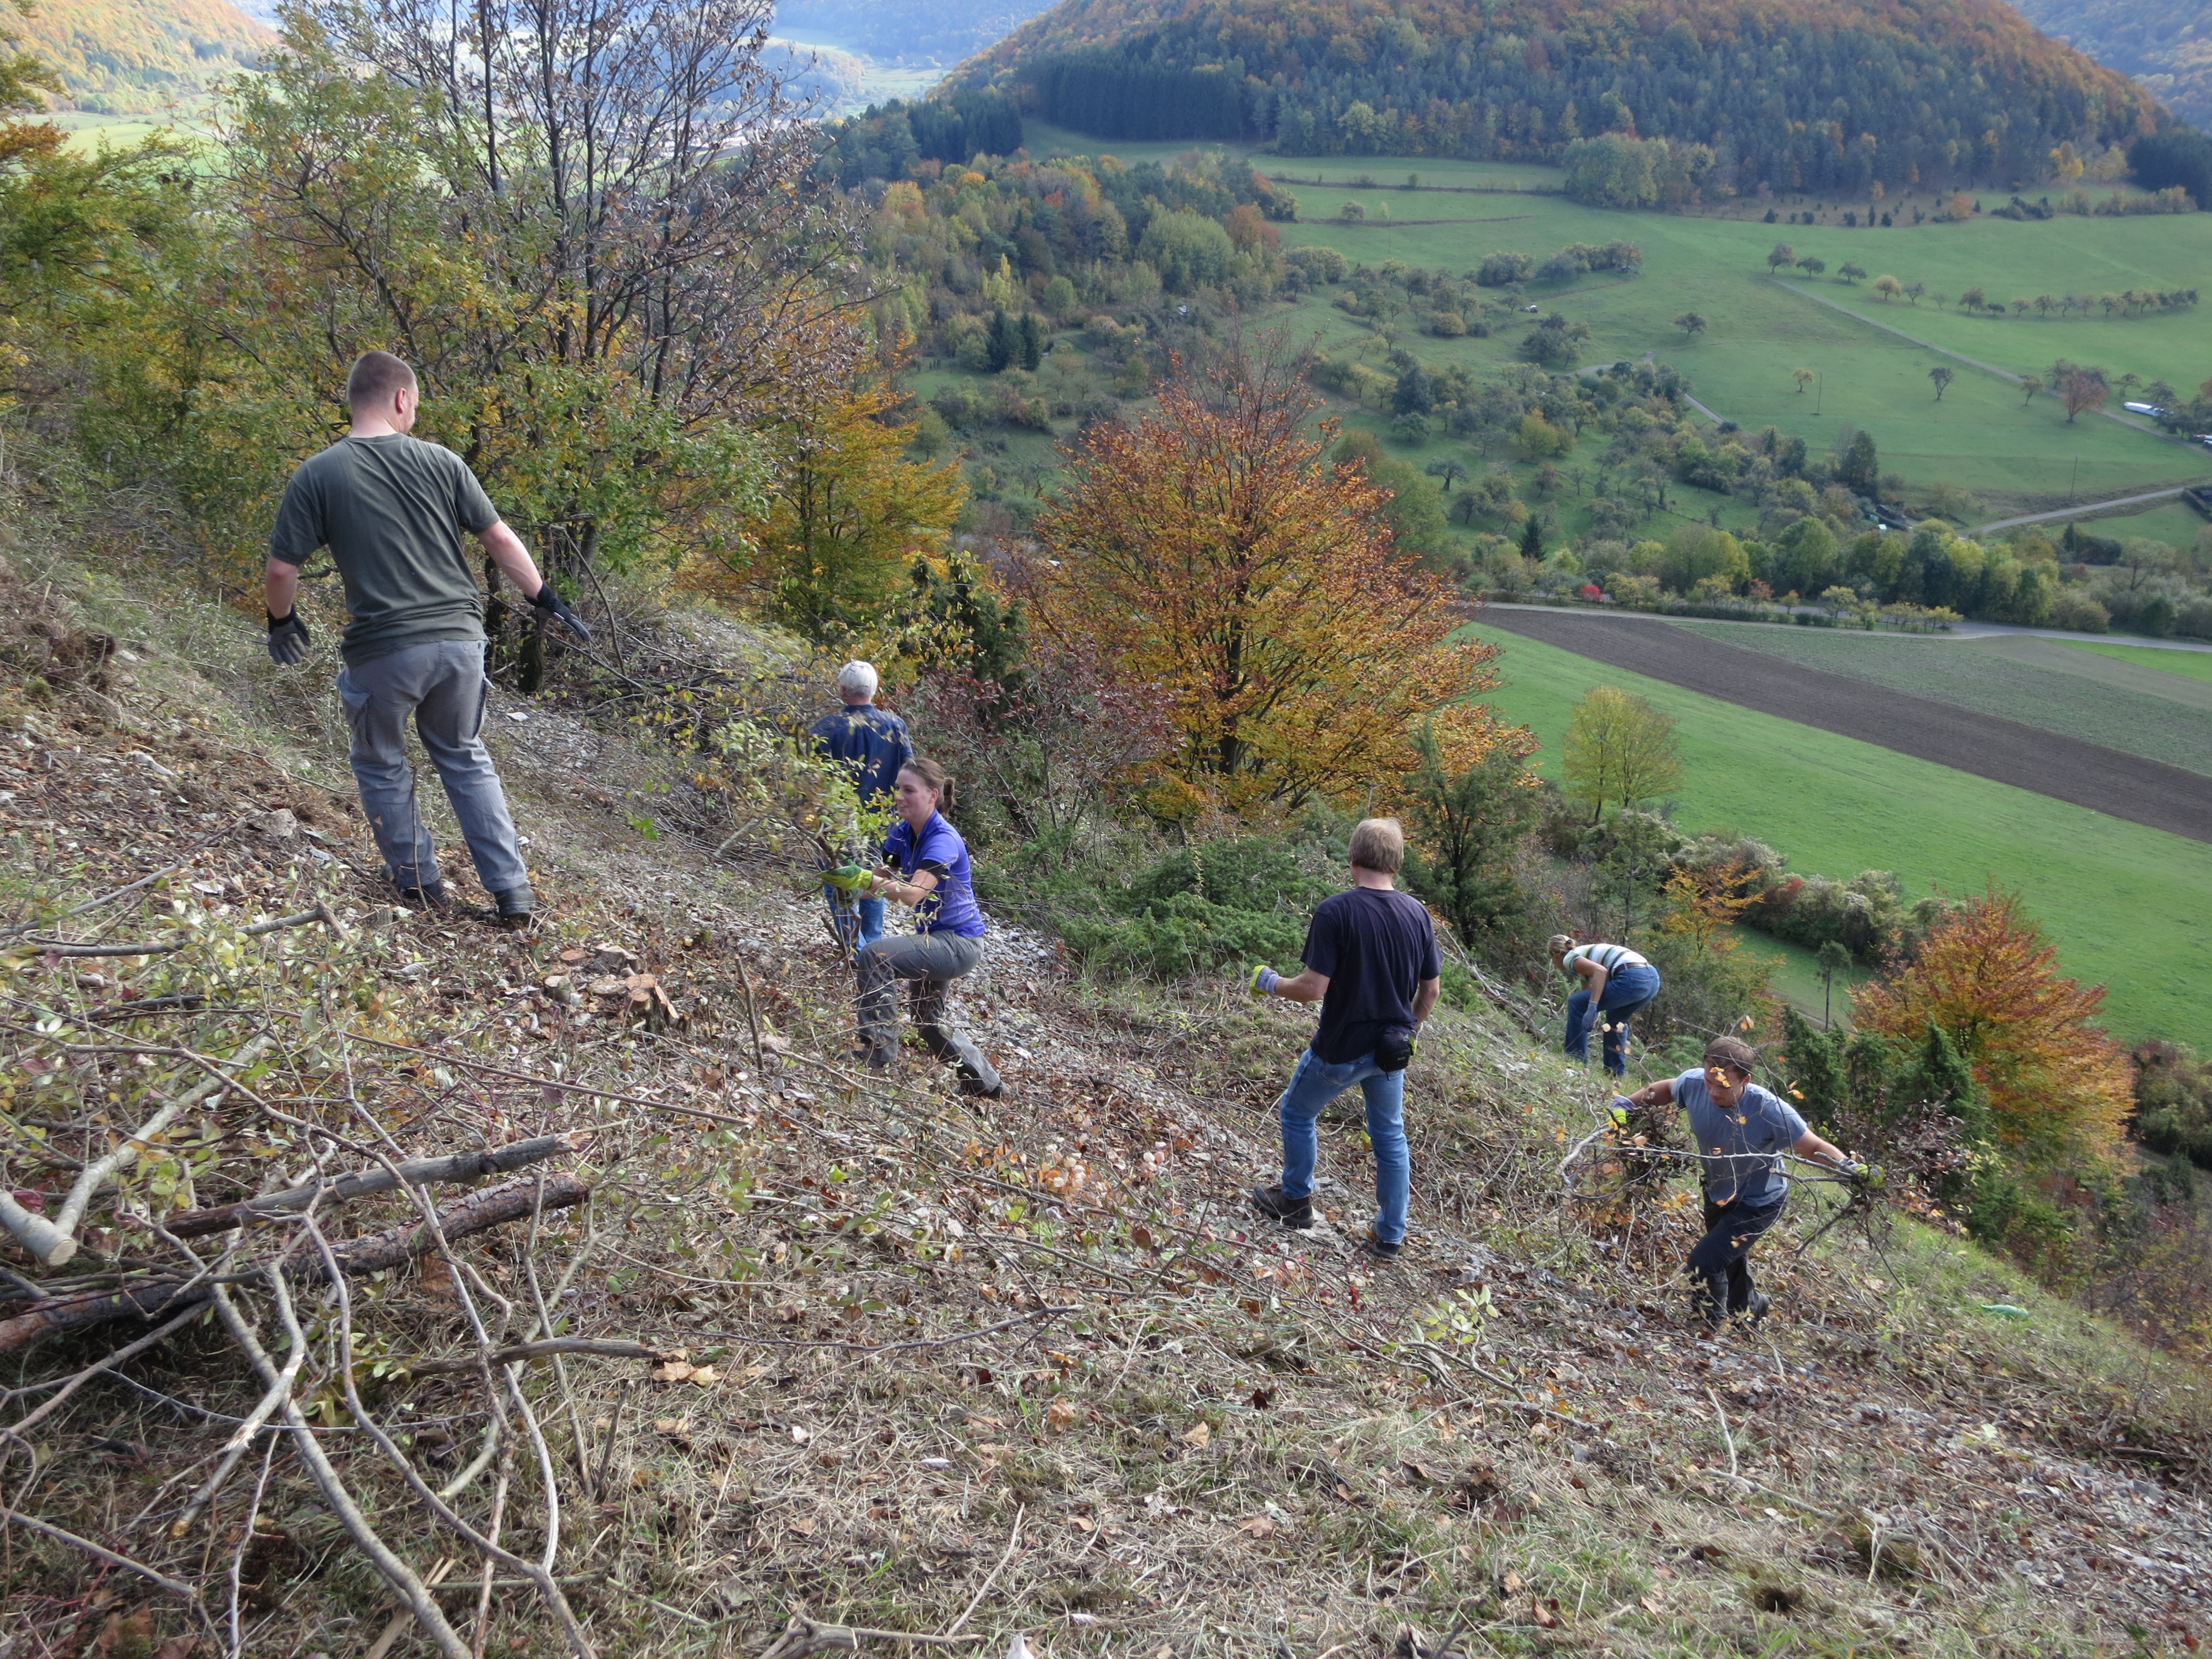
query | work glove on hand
(850,879)
(1264,980)
(288,638)
(557,608)
(1622,1106)
(1869,1175)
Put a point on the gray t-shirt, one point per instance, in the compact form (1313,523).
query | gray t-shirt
(1740,1148)
(392,510)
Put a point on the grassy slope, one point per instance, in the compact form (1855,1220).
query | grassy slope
(1968,674)
(2197,664)
(1138,1533)
(2129,907)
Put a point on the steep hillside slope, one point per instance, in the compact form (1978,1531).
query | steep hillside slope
(780,1340)
(1827,95)
(138,56)
(2167,45)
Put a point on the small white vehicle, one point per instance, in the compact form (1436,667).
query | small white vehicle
(2151,410)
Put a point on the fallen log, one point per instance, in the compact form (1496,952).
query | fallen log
(422,1171)
(392,1248)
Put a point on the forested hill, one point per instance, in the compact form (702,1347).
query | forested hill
(1829,95)
(136,57)
(2165,44)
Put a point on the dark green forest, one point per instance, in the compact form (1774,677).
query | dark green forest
(1832,95)
(2161,43)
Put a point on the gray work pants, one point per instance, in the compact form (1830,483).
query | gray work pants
(931,962)
(442,685)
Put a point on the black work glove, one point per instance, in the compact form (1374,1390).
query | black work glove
(557,608)
(288,638)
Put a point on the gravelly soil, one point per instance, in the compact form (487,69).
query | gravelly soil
(2066,768)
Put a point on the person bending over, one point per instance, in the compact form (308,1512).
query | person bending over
(1371,962)
(1742,1131)
(391,509)
(1616,984)
(926,865)
(870,743)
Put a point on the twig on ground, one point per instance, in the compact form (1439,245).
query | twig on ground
(982,1589)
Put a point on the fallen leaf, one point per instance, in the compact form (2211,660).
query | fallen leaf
(1513,1582)
(1262,1398)
(800,1437)
(1545,1616)
(1199,1435)
(1141,1236)
(1059,1416)
(673,1370)
(803,1525)
(703,1376)
(671,1424)
(1081,1523)
(1259,1526)
(1651,1605)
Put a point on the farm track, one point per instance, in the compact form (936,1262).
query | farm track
(2006,751)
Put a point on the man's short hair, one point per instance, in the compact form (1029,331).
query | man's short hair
(376,375)
(858,679)
(1731,1052)
(1379,844)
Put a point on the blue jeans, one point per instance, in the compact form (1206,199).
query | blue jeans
(1625,994)
(871,917)
(442,687)
(1313,1086)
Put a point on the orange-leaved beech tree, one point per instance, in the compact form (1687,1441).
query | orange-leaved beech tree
(2058,1088)
(1208,547)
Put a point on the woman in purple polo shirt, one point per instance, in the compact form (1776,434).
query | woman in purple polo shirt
(925,865)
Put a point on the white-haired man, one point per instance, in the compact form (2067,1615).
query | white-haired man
(874,743)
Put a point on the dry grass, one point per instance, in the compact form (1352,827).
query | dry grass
(1025,1364)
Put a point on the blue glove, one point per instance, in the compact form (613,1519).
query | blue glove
(288,638)
(1264,981)
(555,606)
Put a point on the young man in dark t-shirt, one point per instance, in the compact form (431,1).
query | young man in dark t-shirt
(391,509)
(1371,962)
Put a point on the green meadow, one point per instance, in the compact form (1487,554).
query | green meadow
(2013,455)
(2129,908)
(2195,665)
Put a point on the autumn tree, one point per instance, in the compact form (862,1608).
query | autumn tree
(2029,385)
(1619,750)
(1692,324)
(846,514)
(1209,547)
(1782,256)
(2058,1088)
(1804,377)
(2083,391)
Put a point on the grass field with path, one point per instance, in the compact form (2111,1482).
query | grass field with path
(1968,674)
(2130,908)
(2193,664)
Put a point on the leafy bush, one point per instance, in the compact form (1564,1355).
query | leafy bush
(2173,1101)
(2071,608)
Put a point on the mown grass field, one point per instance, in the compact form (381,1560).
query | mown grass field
(2192,664)
(2034,690)
(2128,906)
(1981,437)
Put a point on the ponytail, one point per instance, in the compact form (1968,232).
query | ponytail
(936,777)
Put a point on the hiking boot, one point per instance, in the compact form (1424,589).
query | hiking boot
(1709,1300)
(1277,1205)
(432,898)
(1371,1245)
(516,908)
(976,1089)
(1755,1310)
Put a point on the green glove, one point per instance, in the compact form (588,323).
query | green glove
(850,879)
(1870,1177)
(1264,980)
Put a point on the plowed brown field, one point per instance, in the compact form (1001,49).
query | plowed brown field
(2104,780)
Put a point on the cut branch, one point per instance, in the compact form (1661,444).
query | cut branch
(373,1253)
(460,1166)
(321,913)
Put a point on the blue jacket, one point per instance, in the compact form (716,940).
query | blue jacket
(872,741)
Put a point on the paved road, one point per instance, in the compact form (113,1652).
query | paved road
(2026,756)
(2076,511)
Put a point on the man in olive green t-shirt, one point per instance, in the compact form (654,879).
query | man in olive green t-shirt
(391,509)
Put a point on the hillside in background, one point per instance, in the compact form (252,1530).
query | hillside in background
(139,57)
(2165,44)
(1832,95)
(924,30)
